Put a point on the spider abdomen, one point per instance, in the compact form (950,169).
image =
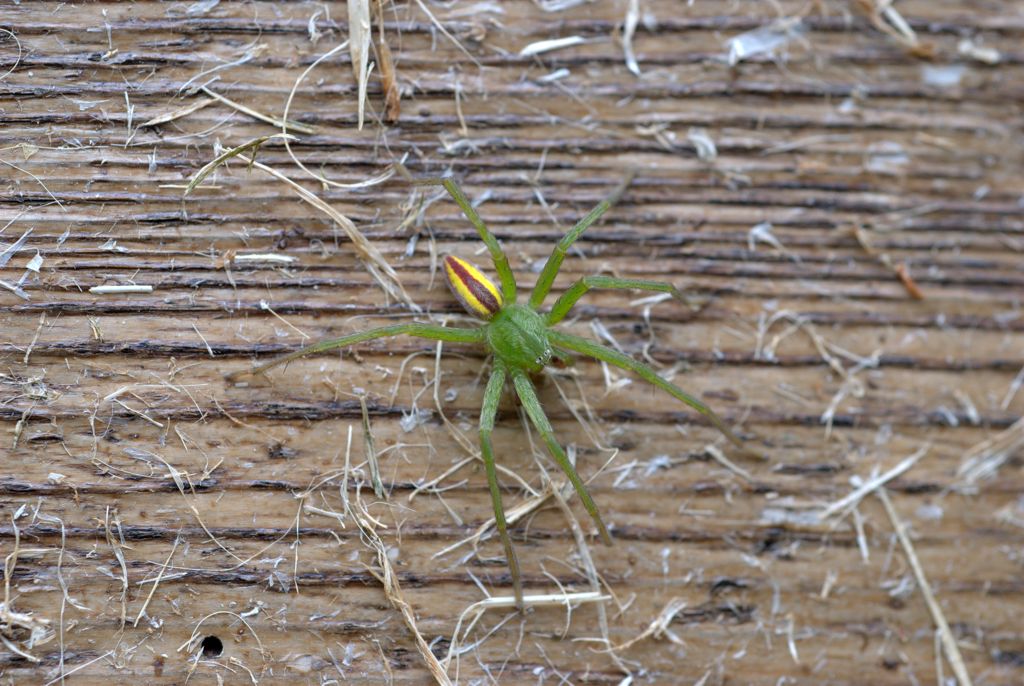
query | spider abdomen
(472,288)
(518,337)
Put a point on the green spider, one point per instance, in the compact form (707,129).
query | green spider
(522,341)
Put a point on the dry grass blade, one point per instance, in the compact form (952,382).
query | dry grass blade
(903,274)
(949,644)
(901,270)
(371,451)
(718,456)
(629,29)
(359,33)
(273,121)
(388,76)
(446,33)
(115,545)
(35,339)
(764,40)
(850,501)
(17,60)
(37,180)
(985,458)
(477,610)
(1011,392)
(178,113)
(659,625)
(63,675)
(368,529)
(156,582)
(14,624)
(372,181)
(8,251)
(375,263)
(886,19)
(393,591)
(590,571)
(512,516)
(220,159)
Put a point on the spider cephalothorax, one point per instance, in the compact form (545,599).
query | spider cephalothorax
(519,336)
(522,340)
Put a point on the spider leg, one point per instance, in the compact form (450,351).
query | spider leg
(437,333)
(508,280)
(568,300)
(554,263)
(492,395)
(528,396)
(645,372)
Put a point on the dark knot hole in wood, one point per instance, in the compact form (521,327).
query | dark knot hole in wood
(212,647)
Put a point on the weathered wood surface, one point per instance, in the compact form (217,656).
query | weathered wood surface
(122,393)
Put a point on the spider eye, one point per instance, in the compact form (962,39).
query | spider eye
(474,290)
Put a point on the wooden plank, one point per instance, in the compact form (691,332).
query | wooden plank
(843,160)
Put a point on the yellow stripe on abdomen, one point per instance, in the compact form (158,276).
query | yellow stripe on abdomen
(474,290)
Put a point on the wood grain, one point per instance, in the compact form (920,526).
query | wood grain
(854,158)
